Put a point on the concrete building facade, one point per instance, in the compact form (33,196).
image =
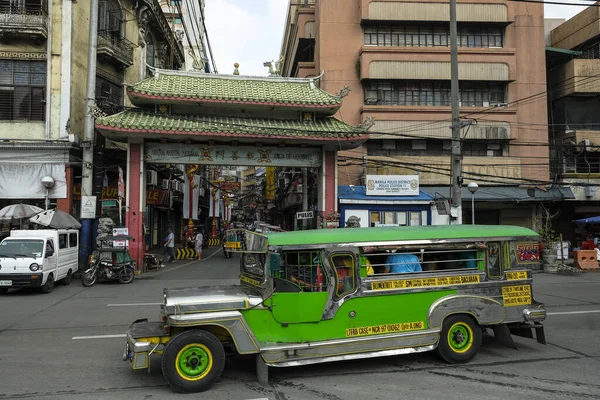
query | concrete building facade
(43,74)
(394,56)
(573,59)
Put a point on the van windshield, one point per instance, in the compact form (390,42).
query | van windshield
(21,248)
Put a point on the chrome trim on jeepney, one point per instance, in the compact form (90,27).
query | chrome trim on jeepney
(232,321)
(538,314)
(486,311)
(381,353)
(208,299)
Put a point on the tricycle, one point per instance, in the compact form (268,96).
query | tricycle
(110,262)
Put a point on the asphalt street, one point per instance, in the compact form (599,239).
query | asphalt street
(68,345)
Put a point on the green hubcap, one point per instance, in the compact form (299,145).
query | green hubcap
(459,337)
(193,361)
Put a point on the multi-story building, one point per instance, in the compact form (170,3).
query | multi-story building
(186,20)
(394,56)
(43,74)
(573,59)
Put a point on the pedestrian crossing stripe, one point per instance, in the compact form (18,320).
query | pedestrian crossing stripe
(183,254)
(214,242)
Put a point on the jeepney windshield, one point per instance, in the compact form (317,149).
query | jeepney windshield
(22,248)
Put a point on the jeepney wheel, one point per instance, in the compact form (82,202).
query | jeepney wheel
(49,285)
(460,339)
(192,361)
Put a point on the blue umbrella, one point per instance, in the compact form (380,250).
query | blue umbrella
(591,220)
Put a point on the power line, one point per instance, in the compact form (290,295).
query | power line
(212,59)
(187,35)
(195,24)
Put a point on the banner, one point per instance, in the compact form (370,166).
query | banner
(186,197)
(270,184)
(392,185)
(172,153)
(24,181)
(121,184)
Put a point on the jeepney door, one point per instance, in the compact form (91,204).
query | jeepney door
(300,287)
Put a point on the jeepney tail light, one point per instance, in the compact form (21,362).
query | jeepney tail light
(166,328)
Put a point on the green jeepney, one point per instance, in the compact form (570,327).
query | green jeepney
(318,296)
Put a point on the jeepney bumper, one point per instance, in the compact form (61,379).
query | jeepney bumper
(144,339)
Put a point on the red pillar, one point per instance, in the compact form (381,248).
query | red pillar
(65,204)
(133,217)
(330,181)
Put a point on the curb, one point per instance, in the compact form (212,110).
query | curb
(170,267)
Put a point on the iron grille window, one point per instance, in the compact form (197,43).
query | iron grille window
(109,17)
(433,36)
(22,90)
(22,6)
(109,97)
(432,93)
(591,53)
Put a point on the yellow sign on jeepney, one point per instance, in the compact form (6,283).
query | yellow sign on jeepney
(516,295)
(425,282)
(249,281)
(233,245)
(516,275)
(385,328)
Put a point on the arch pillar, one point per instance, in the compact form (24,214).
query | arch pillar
(327,185)
(135,201)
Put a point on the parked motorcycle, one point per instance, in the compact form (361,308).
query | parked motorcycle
(113,263)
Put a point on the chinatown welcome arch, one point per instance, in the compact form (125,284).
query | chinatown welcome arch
(196,119)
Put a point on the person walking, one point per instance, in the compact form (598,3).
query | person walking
(199,240)
(170,246)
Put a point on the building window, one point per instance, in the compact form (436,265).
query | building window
(150,53)
(22,90)
(591,53)
(22,6)
(110,18)
(432,93)
(436,147)
(177,21)
(109,97)
(397,218)
(432,35)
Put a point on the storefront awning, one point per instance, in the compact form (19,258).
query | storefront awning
(505,193)
(358,194)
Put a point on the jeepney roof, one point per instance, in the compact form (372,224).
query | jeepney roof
(383,234)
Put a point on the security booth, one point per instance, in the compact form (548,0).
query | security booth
(196,119)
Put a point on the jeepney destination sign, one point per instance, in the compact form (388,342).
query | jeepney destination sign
(392,185)
(164,153)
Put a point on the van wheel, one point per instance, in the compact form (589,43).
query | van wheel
(460,339)
(193,360)
(67,279)
(49,285)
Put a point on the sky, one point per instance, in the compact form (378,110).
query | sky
(250,32)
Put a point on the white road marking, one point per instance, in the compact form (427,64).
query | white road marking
(98,337)
(133,304)
(573,312)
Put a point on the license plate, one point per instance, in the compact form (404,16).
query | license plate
(5,283)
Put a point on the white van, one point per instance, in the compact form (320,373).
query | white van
(38,258)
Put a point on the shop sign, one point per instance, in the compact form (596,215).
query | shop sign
(230,186)
(173,153)
(153,196)
(120,232)
(304,215)
(270,184)
(88,207)
(392,185)
(109,203)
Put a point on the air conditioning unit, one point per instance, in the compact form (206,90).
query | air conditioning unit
(165,184)
(151,178)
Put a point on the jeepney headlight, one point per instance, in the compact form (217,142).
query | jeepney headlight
(35,267)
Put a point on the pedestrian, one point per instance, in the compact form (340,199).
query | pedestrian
(199,240)
(170,246)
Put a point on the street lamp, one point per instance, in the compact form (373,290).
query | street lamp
(472,186)
(48,182)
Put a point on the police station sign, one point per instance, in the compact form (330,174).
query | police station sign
(392,185)
(170,153)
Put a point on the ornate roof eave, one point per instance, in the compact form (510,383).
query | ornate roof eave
(142,93)
(161,21)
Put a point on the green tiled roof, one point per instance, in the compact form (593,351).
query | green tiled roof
(234,89)
(140,121)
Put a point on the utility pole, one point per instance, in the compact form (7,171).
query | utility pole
(88,133)
(456,161)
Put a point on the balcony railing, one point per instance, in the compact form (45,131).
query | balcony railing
(115,48)
(30,21)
